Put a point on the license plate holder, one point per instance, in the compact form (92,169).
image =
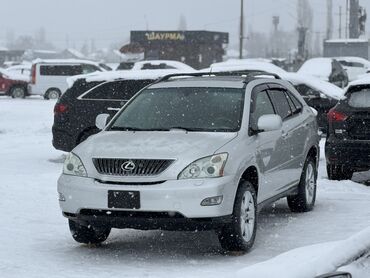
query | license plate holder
(124,199)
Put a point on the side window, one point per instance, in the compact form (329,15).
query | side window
(297,104)
(280,102)
(306,91)
(262,106)
(89,68)
(60,70)
(117,90)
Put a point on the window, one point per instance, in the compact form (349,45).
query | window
(158,66)
(280,101)
(117,90)
(263,106)
(195,109)
(60,70)
(307,92)
(297,104)
(89,68)
(360,99)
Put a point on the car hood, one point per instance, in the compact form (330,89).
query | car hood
(153,145)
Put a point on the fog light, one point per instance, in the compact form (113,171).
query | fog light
(61,197)
(212,201)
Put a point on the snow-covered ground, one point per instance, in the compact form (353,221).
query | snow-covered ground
(35,240)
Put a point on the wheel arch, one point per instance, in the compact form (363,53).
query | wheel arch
(251,174)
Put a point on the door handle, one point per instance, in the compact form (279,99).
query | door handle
(113,109)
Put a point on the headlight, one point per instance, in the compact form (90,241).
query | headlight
(207,167)
(73,166)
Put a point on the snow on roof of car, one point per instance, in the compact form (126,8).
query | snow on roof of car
(244,64)
(15,76)
(64,61)
(362,81)
(346,40)
(176,64)
(325,87)
(319,67)
(354,60)
(121,74)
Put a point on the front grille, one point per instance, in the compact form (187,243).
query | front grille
(138,167)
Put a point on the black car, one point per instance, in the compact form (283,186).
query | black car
(319,101)
(348,142)
(76,110)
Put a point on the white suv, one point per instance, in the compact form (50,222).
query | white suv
(197,152)
(49,77)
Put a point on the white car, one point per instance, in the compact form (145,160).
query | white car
(49,77)
(190,153)
(355,66)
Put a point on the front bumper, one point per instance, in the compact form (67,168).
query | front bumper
(353,153)
(173,197)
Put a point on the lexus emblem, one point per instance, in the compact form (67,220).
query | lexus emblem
(128,166)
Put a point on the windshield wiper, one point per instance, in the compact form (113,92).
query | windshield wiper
(187,128)
(124,128)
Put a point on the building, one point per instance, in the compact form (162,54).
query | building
(347,47)
(198,49)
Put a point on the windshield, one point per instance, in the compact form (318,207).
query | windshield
(192,109)
(360,99)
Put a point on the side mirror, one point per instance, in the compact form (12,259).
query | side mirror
(336,275)
(101,121)
(314,111)
(269,122)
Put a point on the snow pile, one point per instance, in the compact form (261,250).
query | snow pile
(318,67)
(121,74)
(311,261)
(66,61)
(325,87)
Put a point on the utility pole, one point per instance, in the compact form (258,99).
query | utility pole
(347,22)
(329,20)
(340,22)
(241,35)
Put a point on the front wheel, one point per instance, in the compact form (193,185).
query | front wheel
(305,199)
(52,94)
(88,234)
(240,234)
(18,92)
(338,172)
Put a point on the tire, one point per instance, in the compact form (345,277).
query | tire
(240,234)
(338,172)
(18,92)
(87,235)
(304,201)
(52,94)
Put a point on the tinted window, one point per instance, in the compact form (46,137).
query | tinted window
(360,99)
(280,102)
(297,104)
(60,70)
(117,90)
(306,91)
(160,66)
(195,109)
(263,106)
(89,68)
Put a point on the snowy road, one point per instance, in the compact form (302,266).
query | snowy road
(35,240)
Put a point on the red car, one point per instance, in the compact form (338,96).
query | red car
(14,86)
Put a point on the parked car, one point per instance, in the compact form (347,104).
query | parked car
(195,152)
(327,69)
(48,77)
(12,84)
(162,65)
(355,66)
(347,147)
(23,69)
(90,95)
(317,93)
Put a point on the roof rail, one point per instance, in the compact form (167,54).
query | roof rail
(249,75)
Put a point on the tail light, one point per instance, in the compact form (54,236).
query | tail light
(60,108)
(335,116)
(33,74)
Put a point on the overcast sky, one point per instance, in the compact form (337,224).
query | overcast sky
(111,20)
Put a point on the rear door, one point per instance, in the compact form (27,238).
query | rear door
(290,155)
